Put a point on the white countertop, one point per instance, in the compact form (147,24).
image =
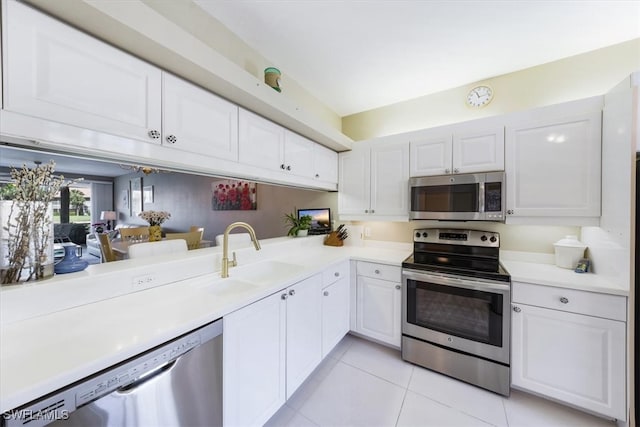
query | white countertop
(548,274)
(48,341)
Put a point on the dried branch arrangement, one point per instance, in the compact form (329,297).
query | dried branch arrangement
(28,226)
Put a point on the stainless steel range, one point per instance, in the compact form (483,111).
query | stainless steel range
(456,307)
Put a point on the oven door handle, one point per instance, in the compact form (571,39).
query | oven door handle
(473,284)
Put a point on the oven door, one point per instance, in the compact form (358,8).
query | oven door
(465,314)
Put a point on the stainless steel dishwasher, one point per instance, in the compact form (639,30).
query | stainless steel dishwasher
(178,383)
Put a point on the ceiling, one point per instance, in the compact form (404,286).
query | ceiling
(65,164)
(357,55)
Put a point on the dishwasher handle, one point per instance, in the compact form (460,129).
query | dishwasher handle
(147,376)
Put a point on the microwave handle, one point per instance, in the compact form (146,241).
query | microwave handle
(481,197)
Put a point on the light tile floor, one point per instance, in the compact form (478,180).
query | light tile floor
(366,384)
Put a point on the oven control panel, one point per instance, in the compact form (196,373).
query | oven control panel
(457,237)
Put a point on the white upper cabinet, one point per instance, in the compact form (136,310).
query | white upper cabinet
(269,146)
(478,150)
(198,121)
(55,72)
(373,182)
(325,164)
(554,161)
(463,148)
(298,155)
(261,142)
(431,154)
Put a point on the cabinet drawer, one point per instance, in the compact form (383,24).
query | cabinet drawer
(571,300)
(335,273)
(379,271)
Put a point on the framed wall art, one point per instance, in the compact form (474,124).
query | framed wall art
(147,194)
(233,195)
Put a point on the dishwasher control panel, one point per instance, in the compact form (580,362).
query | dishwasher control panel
(130,372)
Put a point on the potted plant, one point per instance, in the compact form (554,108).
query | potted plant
(298,226)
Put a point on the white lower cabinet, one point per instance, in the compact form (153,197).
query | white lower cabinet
(270,347)
(569,356)
(378,299)
(254,356)
(304,330)
(335,306)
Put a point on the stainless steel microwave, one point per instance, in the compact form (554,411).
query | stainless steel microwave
(465,197)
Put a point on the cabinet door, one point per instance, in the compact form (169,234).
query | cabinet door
(254,362)
(553,167)
(478,150)
(431,155)
(378,309)
(298,155)
(325,164)
(574,358)
(335,314)
(304,331)
(354,182)
(390,180)
(198,121)
(260,142)
(57,73)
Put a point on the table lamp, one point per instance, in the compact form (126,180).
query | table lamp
(108,216)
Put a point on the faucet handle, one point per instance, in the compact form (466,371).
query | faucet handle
(233,262)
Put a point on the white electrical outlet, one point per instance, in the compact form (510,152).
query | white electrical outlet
(143,282)
(367,232)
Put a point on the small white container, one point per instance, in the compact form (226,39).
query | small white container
(569,251)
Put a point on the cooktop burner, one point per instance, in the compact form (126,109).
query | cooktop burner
(469,253)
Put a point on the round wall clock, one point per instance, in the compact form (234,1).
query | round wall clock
(479,96)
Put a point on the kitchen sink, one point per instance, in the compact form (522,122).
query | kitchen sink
(229,286)
(265,272)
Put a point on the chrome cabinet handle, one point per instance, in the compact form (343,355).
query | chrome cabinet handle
(456,170)
(447,171)
(377,271)
(510,212)
(398,287)
(517,309)
(154,134)
(284,296)
(366,211)
(317,175)
(337,274)
(171,139)
(289,167)
(292,292)
(282,166)
(373,211)
(564,300)
(325,293)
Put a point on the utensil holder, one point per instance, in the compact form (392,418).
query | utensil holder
(333,240)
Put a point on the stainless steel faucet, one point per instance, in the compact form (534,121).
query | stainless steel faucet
(225,246)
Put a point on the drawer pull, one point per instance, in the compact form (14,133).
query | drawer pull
(517,309)
(564,300)
(284,296)
(377,271)
(337,274)
(292,292)
(398,287)
(325,293)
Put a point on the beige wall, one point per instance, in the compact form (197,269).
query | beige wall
(581,76)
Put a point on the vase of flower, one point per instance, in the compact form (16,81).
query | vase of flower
(155,220)
(155,233)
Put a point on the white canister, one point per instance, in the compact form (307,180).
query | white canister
(569,251)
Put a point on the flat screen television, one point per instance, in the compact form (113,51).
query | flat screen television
(320,220)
